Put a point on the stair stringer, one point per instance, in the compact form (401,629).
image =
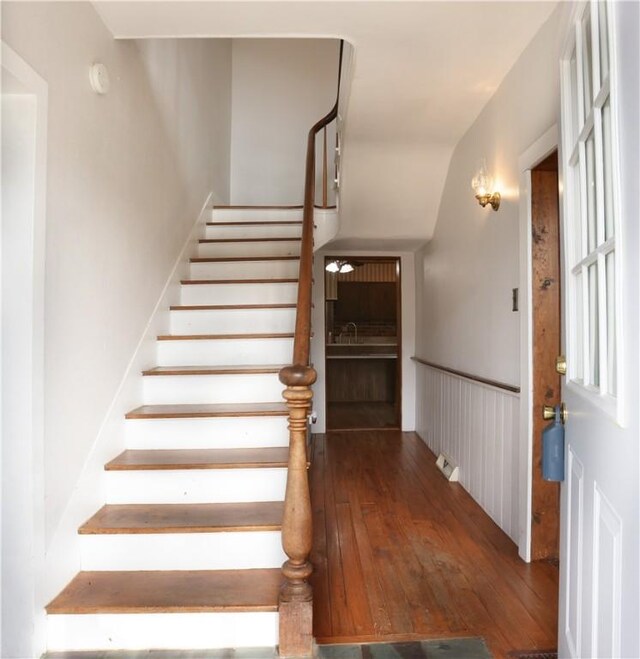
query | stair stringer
(63,555)
(326,224)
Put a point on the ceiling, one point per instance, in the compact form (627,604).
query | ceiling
(422,71)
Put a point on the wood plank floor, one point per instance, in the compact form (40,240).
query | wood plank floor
(400,553)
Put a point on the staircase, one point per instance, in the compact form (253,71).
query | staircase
(186,552)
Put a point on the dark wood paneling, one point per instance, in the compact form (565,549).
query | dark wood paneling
(361,380)
(358,301)
(362,416)
(545,280)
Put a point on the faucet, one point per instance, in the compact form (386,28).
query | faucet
(355,331)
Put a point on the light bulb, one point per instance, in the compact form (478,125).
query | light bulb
(333,266)
(346,267)
(482,182)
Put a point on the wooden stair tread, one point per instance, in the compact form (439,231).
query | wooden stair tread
(234,458)
(207,410)
(248,223)
(198,282)
(241,259)
(193,591)
(259,207)
(207,337)
(226,307)
(185,518)
(212,370)
(205,241)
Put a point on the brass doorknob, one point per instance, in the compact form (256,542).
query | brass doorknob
(561,364)
(549,413)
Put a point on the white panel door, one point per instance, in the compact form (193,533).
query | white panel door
(599,574)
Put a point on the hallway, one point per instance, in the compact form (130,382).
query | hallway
(400,553)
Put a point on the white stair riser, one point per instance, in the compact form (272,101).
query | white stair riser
(264,293)
(255,214)
(245,270)
(225,352)
(196,485)
(141,631)
(259,249)
(218,432)
(182,551)
(254,231)
(178,389)
(232,321)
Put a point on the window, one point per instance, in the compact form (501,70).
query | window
(591,221)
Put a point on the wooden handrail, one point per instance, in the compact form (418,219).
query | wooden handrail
(302,340)
(468,376)
(295,605)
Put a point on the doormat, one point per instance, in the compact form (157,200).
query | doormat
(450,648)
(533,654)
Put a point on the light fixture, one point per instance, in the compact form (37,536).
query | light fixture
(482,184)
(339,266)
(332,266)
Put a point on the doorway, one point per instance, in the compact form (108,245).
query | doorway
(363,349)
(546,335)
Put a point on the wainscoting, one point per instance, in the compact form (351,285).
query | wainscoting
(476,425)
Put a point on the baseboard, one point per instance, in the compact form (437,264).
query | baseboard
(63,558)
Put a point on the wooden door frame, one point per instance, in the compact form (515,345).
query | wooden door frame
(544,146)
(371,259)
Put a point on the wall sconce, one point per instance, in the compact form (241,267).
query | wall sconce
(339,266)
(482,184)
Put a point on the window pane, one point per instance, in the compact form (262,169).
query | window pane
(608,170)
(604,40)
(586,62)
(591,192)
(579,243)
(594,335)
(578,336)
(573,69)
(611,323)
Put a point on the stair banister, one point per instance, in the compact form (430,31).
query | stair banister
(296,597)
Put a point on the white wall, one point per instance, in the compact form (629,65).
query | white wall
(465,276)
(24,114)
(127,176)
(467,271)
(281,87)
(408,337)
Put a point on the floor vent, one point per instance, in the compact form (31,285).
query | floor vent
(533,654)
(450,470)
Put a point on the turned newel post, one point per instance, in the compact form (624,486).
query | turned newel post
(296,600)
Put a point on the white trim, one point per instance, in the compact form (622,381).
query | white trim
(535,154)
(34,444)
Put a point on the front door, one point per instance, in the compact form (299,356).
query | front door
(599,497)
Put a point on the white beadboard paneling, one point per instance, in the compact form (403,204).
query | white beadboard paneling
(476,425)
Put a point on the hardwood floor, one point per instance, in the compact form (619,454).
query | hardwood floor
(358,416)
(401,553)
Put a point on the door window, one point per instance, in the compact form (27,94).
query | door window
(591,217)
